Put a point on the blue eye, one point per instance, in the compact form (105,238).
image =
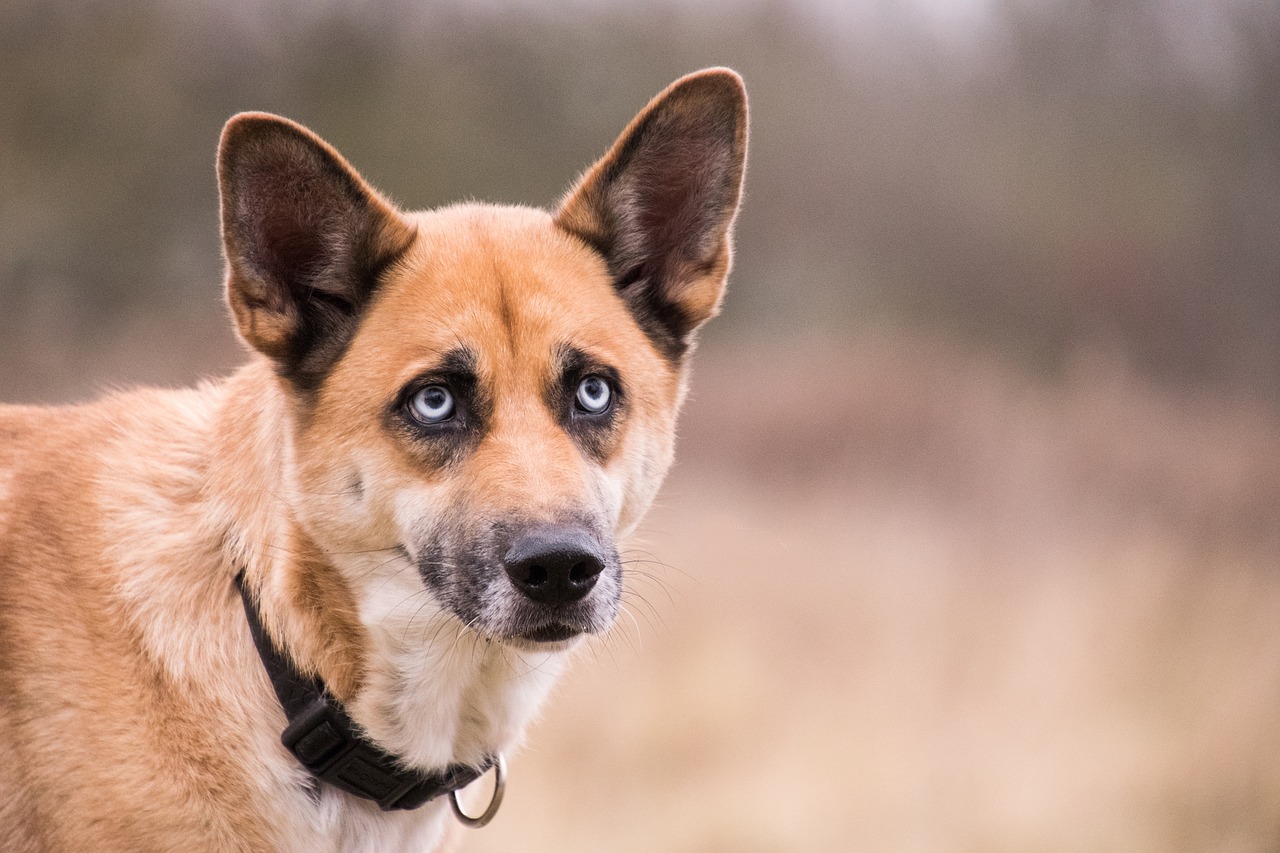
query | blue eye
(431,405)
(594,395)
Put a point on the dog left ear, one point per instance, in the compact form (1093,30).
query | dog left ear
(660,205)
(306,241)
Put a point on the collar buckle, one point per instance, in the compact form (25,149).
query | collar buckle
(322,739)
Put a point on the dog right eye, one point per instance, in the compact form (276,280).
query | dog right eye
(431,405)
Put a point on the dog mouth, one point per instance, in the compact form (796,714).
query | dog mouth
(538,627)
(552,632)
(518,624)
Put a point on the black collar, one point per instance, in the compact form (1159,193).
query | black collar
(332,747)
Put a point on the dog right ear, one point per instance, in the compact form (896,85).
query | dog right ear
(306,242)
(660,205)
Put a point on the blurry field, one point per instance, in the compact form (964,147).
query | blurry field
(959,609)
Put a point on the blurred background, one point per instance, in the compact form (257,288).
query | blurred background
(974,539)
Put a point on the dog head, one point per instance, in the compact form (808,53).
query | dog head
(488,392)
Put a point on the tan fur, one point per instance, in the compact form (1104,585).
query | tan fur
(135,713)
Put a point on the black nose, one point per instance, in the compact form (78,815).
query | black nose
(554,564)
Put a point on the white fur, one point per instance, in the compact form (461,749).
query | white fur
(440,692)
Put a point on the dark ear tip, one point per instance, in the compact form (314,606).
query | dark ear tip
(721,84)
(243,129)
(247,125)
(717,75)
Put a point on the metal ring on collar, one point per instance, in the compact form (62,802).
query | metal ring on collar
(499,787)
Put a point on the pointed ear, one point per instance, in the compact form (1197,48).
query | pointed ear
(306,241)
(660,205)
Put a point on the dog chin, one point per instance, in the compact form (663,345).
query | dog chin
(549,639)
(551,635)
(552,632)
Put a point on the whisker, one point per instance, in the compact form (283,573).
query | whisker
(649,613)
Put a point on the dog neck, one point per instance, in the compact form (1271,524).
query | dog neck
(306,607)
(324,739)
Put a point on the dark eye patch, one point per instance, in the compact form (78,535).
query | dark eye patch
(440,444)
(596,433)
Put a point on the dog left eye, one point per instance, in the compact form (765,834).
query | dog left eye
(594,395)
(432,404)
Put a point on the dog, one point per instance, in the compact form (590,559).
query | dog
(298,608)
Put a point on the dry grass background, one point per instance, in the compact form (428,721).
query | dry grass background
(959,609)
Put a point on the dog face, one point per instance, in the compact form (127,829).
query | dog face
(489,392)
